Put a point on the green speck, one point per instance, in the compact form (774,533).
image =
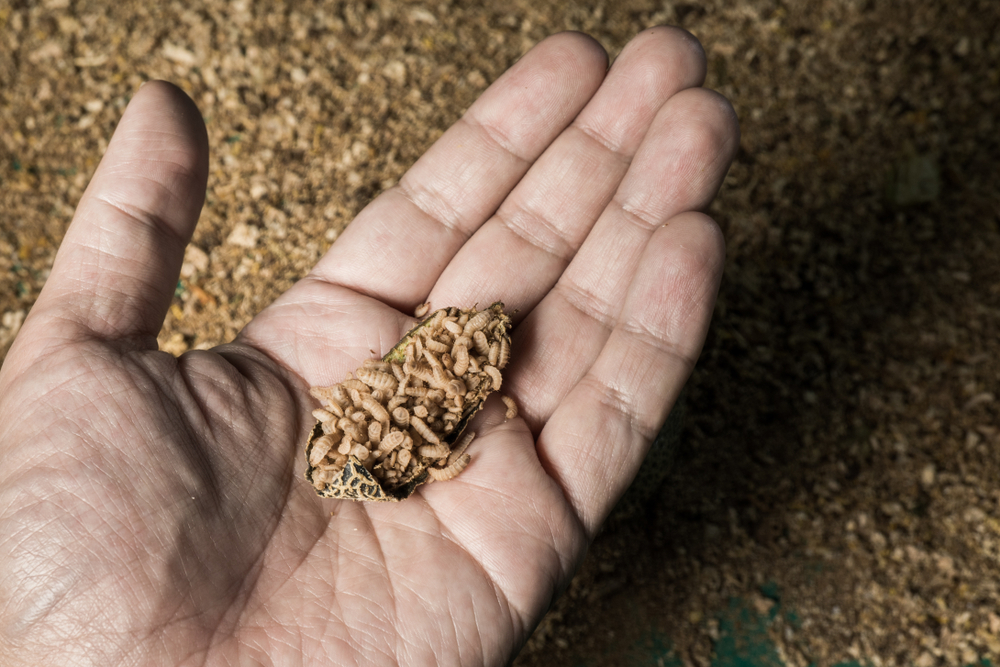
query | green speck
(179,289)
(233,138)
(770,591)
(16,164)
(743,639)
(22,289)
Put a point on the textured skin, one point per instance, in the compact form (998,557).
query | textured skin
(657,465)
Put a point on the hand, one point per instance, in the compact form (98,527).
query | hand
(152,508)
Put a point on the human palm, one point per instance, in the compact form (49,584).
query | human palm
(152,509)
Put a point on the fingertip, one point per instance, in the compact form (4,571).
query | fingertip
(159,105)
(587,45)
(676,49)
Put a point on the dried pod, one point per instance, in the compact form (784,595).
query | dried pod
(401,414)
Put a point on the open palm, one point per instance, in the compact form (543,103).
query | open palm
(152,508)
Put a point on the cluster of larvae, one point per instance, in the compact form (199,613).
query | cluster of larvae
(396,423)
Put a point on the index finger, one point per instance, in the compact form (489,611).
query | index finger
(397,247)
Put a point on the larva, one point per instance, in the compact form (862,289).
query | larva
(511,406)
(386,422)
(322,415)
(323,394)
(424,430)
(375,408)
(360,452)
(434,451)
(461,355)
(397,371)
(435,346)
(391,442)
(504,352)
(494,375)
(455,388)
(357,385)
(422,309)
(321,446)
(481,344)
(401,417)
(403,458)
(444,474)
(377,380)
(434,322)
(477,322)
(460,447)
(424,373)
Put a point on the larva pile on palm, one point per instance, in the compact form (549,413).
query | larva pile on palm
(396,423)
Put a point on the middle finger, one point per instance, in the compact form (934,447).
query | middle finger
(518,255)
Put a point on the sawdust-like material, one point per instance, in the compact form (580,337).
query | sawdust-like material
(841,440)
